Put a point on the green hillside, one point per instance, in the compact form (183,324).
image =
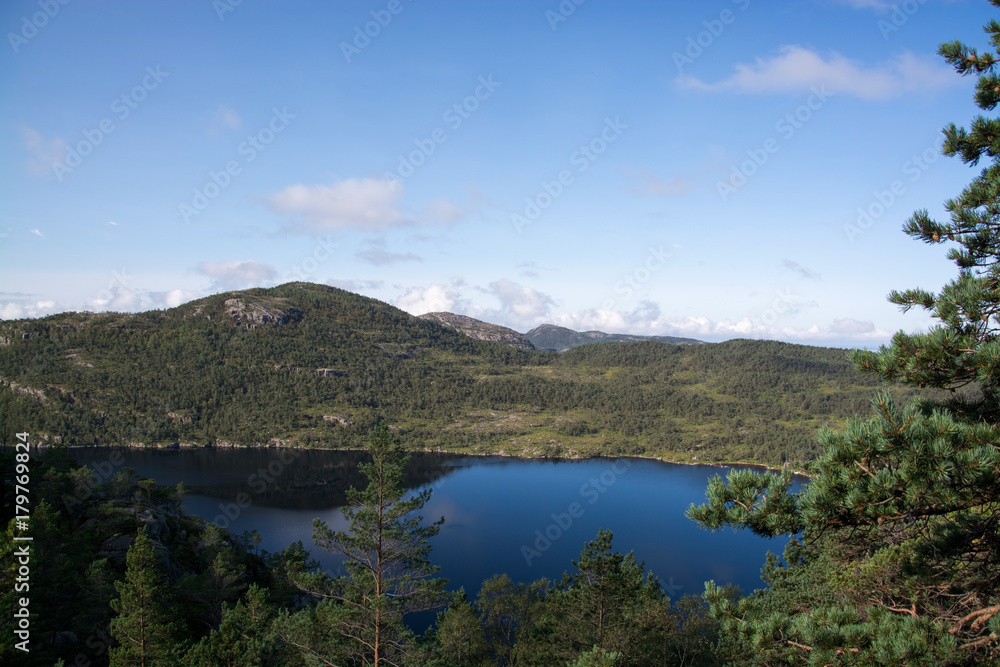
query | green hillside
(314,366)
(560,339)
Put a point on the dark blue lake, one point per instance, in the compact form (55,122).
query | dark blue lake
(528,518)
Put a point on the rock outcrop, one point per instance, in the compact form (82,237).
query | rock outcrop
(253,313)
(480,330)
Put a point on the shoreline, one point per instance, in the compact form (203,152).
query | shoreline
(188,447)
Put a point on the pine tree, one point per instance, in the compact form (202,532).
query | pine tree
(459,636)
(243,639)
(899,561)
(597,657)
(145,635)
(505,608)
(602,603)
(389,574)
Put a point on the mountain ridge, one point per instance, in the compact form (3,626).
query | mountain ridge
(310,365)
(551,337)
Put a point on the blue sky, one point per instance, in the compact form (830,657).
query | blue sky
(694,169)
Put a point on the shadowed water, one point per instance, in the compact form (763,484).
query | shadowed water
(528,518)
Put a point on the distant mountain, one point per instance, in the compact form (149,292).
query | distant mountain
(560,339)
(480,330)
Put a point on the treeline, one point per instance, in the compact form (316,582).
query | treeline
(272,363)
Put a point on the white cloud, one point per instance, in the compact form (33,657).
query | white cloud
(521,307)
(237,274)
(38,233)
(746,328)
(596,319)
(121,299)
(369,204)
(851,327)
(11,311)
(646,320)
(176,297)
(524,303)
(43,153)
(433,299)
(16,310)
(798,69)
(118,298)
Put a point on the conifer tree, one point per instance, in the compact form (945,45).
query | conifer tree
(459,636)
(145,635)
(602,604)
(389,574)
(243,638)
(506,609)
(597,657)
(899,561)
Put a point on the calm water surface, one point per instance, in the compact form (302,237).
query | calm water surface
(498,511)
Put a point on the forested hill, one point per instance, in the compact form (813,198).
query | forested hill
(315,366)
(560,339)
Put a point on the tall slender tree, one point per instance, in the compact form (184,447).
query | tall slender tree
(387,558)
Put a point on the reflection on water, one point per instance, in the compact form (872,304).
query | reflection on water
(273,477)
(527,518)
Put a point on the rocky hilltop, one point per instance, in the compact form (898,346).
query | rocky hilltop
(480,330)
